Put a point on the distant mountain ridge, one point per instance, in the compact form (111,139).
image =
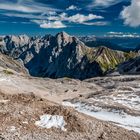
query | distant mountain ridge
(62,55)
(126,44)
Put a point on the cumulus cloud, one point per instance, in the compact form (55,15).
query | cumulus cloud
(77,18)
(63,17)
(72,7)
(50,24)
(45,15)
(131,14)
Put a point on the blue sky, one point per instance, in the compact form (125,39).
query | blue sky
(77,17)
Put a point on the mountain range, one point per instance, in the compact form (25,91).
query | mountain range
(121,43)
(63,55)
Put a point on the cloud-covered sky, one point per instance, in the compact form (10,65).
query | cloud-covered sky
(80,17)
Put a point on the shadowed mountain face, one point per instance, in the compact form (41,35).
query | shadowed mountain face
(130,67)
(61,56)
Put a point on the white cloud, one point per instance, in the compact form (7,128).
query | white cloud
(78,18)
(50,24)
(104,2)
(131,14)
(51,17)
(26,7)
(98,23)
(19,8)
(72,7)
(24,15)
(122,34)
(114,33)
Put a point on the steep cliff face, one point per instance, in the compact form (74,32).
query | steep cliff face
(61,56)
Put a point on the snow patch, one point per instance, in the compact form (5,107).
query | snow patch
(48,121)
(4,101)
(12,129)
(118,118)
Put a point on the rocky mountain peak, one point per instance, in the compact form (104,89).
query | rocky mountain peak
(61,56)
(63,34)
(63,37)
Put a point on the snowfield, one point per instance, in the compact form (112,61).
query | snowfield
(118,118)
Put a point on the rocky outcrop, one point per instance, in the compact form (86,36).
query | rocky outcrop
(61,56)
(7,63)
(13,45)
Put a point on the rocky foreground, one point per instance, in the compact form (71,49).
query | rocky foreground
(72,108)
(105,107)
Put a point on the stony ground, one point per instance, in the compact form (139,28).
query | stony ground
(24,99)
(117,102)
(18,114)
